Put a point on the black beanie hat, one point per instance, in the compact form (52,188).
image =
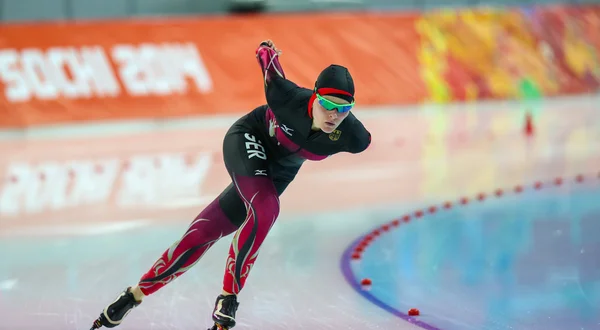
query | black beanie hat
(336,80)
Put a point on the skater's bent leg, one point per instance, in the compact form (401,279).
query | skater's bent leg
(208,227)
(262,208)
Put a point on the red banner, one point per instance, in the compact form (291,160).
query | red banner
(55,73)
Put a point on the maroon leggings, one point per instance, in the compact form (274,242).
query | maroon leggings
(249,205)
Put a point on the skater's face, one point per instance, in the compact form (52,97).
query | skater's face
(328,120)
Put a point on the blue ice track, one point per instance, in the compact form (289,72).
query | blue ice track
(522,261)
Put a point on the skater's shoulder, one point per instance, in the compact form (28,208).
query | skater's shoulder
(358,137)
(287,95)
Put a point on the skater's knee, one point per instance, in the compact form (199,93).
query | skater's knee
(265,207)
(203,230)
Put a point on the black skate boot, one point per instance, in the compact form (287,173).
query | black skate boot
(224,312)
(114,313)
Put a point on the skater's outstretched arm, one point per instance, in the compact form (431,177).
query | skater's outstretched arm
(278,89)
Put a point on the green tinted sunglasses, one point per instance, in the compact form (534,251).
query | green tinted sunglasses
(330,106)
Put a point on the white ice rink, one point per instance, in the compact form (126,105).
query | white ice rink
(64,256)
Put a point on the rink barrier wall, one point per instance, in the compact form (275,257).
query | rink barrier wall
(353,255)
(106,70)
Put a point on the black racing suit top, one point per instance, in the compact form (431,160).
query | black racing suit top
(286,121)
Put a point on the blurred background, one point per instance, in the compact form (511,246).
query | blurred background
(13,10)
(477,202)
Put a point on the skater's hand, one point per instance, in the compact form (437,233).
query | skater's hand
(269,44)
(268,59)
